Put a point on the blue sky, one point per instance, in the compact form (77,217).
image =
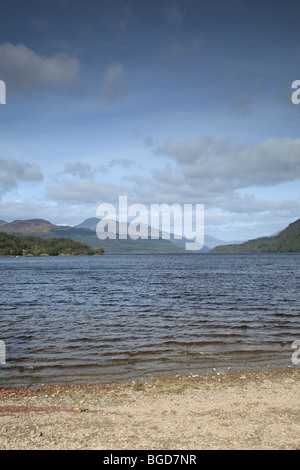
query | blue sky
(162,101)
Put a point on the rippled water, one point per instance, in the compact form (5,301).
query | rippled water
(110,318)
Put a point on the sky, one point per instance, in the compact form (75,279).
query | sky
(185,102)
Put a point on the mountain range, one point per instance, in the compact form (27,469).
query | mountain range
(287,240)
(86,232)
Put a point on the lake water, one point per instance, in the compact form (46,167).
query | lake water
(102,319)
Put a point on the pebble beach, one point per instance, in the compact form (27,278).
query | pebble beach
(219,411)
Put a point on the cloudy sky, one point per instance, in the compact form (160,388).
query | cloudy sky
(162,101)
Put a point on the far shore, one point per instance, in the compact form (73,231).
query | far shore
(234,410)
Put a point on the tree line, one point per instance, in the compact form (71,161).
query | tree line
(12,245)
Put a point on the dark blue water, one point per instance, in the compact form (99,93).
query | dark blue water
(101,319)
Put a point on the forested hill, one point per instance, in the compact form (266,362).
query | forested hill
(11,245)
(286,241)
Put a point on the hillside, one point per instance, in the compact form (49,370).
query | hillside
(286,241)
(11,245)
(44,229)
(39,226)
(209,241)
(149,245)
(85,232)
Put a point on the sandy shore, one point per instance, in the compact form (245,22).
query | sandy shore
(250,410)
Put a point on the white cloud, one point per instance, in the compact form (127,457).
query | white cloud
(82,169)
(225,166)
(59,214)
(85,192)
(24,69)
(85,171)
(12,171)
(125,162)
(220,174)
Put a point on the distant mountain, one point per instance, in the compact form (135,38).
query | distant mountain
(90,223)
(37,226)
(2,222)
(160,245)
(209,241)
(286,241)
(43,228)
(85,232)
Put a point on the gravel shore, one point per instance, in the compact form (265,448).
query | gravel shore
(249,410)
